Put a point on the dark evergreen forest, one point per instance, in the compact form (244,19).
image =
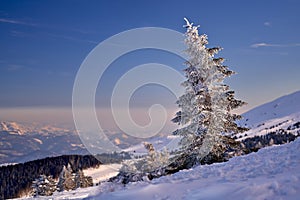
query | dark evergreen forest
(17,178)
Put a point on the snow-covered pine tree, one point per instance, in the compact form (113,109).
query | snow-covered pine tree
(82,181)
(66,179)
(155,161)
(43,186)
(147,167)
(205,107)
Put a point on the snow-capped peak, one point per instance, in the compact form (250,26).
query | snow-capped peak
(27,128)
(12,128)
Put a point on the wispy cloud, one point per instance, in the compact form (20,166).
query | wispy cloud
(72,38)
(14,67)
(66,74)
(268,24)
(62,36)
(12,21)
(257,45)
(19,34)
(84,31)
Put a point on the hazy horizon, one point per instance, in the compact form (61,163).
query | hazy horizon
(63,117)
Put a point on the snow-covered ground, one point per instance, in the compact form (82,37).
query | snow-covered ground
(103,172)
(281,107)
(281,113)
(271,173)
(272,125)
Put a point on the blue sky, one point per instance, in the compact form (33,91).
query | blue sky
(43,43)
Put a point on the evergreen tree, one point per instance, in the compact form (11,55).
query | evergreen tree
(66,179)
(43,186)
(155,161)
(205,107)
(82,181)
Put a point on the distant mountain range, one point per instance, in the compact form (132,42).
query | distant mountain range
(22,142)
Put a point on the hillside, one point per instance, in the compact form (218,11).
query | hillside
(271,173)
(282,113)
(281,107)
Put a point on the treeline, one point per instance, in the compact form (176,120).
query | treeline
(15,179)
(294,126)
(273,138)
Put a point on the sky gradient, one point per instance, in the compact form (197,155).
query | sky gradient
(43,43)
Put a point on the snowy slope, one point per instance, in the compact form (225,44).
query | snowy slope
(281,113)
(271,173)
(278,108)
(287,123)
(103,172)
